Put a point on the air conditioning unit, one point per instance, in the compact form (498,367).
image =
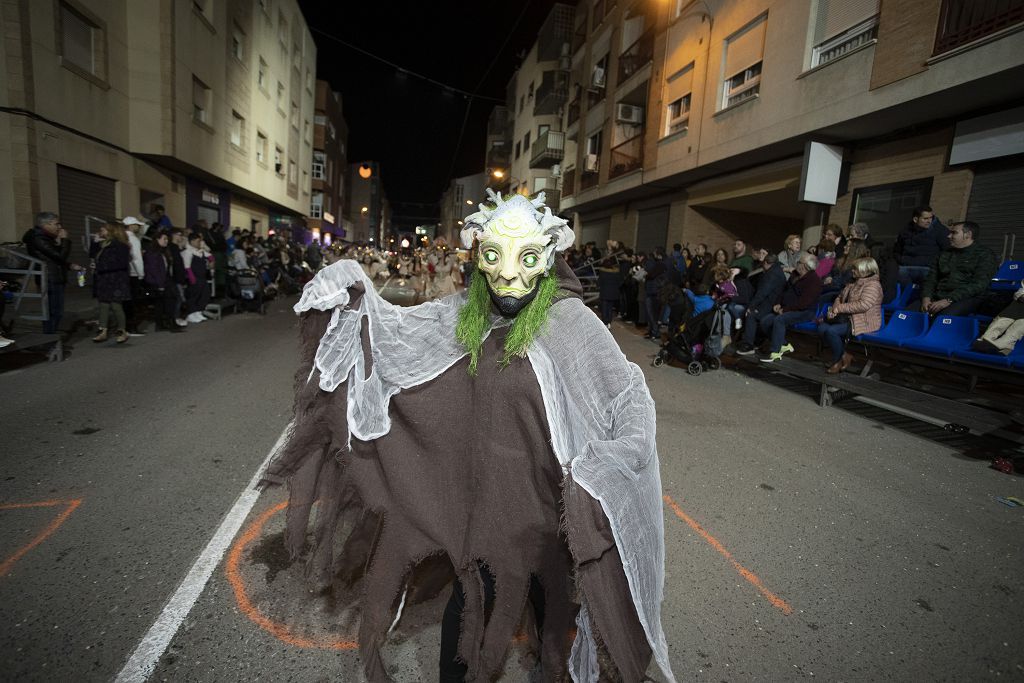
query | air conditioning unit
(556,171)
(597,78)
(590,163)
(629,113)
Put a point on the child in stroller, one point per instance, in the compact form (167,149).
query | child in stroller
(246,288)
(695,340)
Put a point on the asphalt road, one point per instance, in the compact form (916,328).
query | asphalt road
(801,542)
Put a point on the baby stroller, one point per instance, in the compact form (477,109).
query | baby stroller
(246,287)
(696,342)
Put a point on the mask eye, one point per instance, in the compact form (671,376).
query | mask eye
(491,256)
(530,260)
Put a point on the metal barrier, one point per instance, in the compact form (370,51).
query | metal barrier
(35,272)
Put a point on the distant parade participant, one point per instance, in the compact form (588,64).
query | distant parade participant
(547,491)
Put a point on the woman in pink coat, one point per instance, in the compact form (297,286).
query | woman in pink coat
(857,310)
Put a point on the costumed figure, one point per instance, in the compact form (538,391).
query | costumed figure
(546,496)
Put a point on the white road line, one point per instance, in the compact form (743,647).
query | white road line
(153,645)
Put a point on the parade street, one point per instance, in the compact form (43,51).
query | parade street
(801,542)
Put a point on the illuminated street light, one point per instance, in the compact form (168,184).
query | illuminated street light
(364,210)
(365,171)
(498,173)
(459,222)
(470,202)
(405,243)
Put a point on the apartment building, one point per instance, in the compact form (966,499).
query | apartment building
(112,106)
(370,213)
(329,205)
(695,119)
(499,145)
(460,199)
(538,93)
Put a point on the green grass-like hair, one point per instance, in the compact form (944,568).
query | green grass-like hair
(474,320)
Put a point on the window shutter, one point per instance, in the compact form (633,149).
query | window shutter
(745,48)
(679,84)
(836,16)
(77,40)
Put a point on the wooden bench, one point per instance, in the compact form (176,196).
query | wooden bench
(956,416)
(35,340)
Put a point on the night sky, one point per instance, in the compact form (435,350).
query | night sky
(410,126)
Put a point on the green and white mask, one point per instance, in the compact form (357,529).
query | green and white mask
(518,238)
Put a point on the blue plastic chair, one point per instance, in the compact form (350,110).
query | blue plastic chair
(946,335)
(902,325)
(902,299)
(1014,360)
(812,325)
(1008,277)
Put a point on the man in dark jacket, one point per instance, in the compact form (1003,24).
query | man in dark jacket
(796,304)
(657,276)
(918,246)
(48,241)
(960,275)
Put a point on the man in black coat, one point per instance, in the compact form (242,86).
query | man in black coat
(48,241)
(919,245)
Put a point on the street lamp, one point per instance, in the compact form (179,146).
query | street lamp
(498,173)
(365,171)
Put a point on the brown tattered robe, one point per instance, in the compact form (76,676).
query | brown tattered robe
(466,473)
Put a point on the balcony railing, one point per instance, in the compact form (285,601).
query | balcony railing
(579,37)
(552,93)
(963,21)
(574,112)
(552,199)
(497,122)
(568,182)
(498,157)
(627,156)
(589,179)
(598,15)
(548,149)
(636,56)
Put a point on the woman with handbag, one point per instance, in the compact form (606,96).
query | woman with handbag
(857,310)
(111,284)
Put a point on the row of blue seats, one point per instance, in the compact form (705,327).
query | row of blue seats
(1009,276)
(947,336)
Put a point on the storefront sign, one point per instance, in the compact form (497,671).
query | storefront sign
(329,217)
(211,197)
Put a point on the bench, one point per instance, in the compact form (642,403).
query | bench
(36,340)
(217,309)
(956,416)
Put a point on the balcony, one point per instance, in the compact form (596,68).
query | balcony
(555,33)
(627,156)
(574,112)
(636,56)
(588,179)
(568,182)
(598,16)
(498,157)
(497,122)
(964,21)
(579,37)
(552,199)
(552,93)
(547,150)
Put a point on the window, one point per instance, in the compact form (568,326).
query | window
(526,142)
(742,64)
(237,129)
(278,161)
(678,115)
(293,175)
(280,97)
(261,148)
(964,21)
(238,42)
(517,150)
(282,31)
(841,26)
(320,119)
(599,76)
(885,207)
(294,116)
(743,86)
(677,94)
(594,143)
(261,75)
(82,43)
(201,97)
(318,165)
(542,128)
(316,204)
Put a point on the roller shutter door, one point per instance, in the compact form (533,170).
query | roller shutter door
(82,194)
(652,229)
(596,231)
(997,206)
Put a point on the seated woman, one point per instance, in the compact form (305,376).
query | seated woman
(826,252)
(857,310)
(1006,329)
(841,274)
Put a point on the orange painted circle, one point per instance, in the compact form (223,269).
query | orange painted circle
(277,629)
